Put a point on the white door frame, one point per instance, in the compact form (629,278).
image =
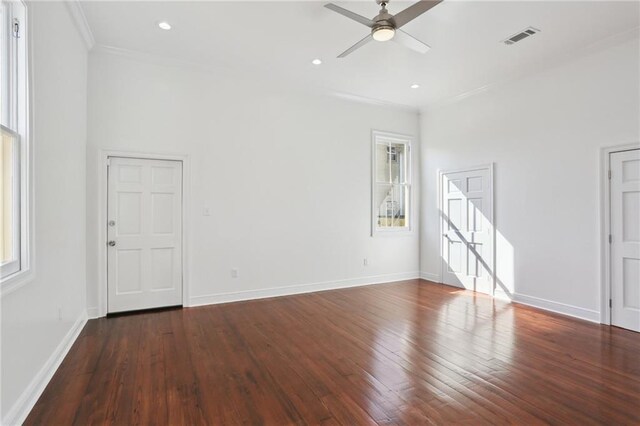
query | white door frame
(605,228)
(441,174)
(103,196)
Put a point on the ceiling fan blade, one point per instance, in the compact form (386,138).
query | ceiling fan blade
(410,42)
(349,14)
(413,11)
(358,45)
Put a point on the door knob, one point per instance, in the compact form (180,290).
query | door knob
(112,243)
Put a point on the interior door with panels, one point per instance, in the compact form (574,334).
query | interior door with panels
(144,233)
(467,229)
(625,238)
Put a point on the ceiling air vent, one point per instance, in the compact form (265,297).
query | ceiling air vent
(527,32)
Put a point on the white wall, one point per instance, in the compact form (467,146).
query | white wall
(31,328)
(286,176)
(544,135)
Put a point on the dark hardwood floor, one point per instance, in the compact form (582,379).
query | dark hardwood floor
(402,353)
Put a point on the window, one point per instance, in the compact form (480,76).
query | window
(391,192)
(13,134)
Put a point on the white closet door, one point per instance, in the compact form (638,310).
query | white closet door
(144,233)
(625,243)
(467,238)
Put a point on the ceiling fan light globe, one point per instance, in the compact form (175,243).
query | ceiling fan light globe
(383,33)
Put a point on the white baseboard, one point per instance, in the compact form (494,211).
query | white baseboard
(93,313)
(21,408)
(500,294)
(431,277)
(212,299)
(536,302)
(557,307)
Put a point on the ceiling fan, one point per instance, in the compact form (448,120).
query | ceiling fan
(385,27)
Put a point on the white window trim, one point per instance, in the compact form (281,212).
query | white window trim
(376,137)
(27,270)
(14,266)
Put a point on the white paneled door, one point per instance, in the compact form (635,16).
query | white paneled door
(144,234)
(467,229)
(625,239)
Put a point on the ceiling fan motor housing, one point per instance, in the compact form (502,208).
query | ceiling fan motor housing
(384,27)
(384,18)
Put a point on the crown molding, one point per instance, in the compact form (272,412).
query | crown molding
(226,70)
(80,20)
(161,60)
(598,45)
(372,101)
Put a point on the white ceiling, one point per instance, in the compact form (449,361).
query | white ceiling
(279,39)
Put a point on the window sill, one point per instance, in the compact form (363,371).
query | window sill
(392,233)
(15,281)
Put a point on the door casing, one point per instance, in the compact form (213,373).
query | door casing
(605,228)
(103,160)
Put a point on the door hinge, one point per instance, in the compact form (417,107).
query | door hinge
(609,174)
(610,239)
(610,304)
(16,28)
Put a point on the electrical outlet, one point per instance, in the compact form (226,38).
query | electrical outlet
(365,262)
(234,273)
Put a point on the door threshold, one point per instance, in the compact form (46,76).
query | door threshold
(144,311)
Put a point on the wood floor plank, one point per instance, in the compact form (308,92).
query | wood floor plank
(404,353)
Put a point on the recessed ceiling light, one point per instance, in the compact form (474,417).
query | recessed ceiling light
(164,25)
(316,61)
(415,86)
